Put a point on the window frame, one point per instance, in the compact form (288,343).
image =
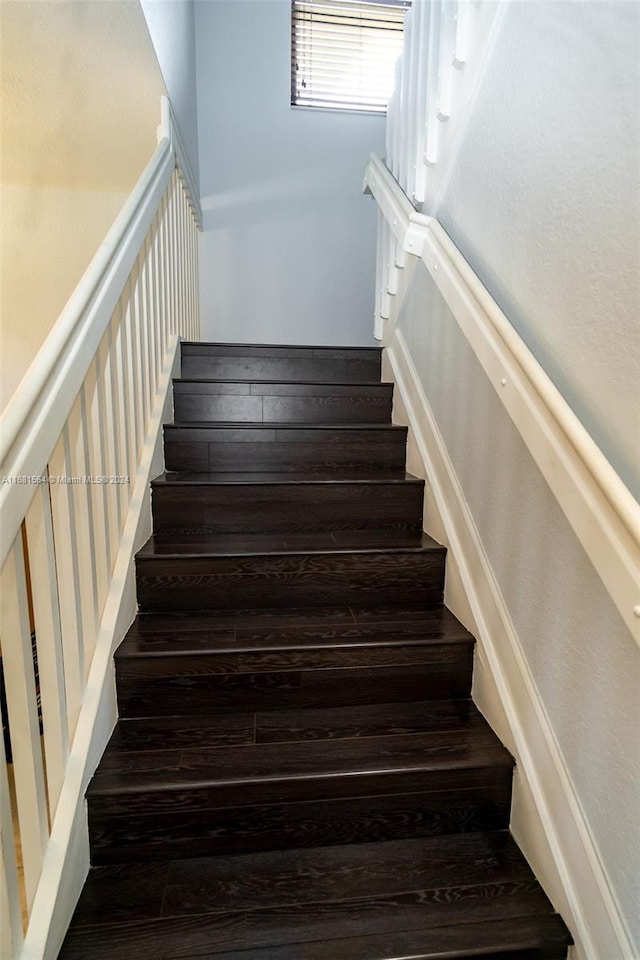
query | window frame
(403,5)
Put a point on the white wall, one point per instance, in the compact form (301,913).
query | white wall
(542,200)
(288,249)
(44,254)
(583,661)
(172,28)
(80,93)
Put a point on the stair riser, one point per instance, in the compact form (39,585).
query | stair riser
(239,693)
(260,508)
(296,450)
(295,580)
(195,401)
(302,368)
(243,829)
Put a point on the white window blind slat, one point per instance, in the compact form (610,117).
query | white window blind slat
(343,53)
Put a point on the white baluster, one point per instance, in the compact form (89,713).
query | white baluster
(22,710)
(404,104)
(87,530)
(461,48)
(421,14)
(446,55)
(11,935)
(116,413)
(377,316)
(431,111)
(67,561)
(149,327)
(46,610)
(91,456)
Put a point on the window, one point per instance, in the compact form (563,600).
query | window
(343,53)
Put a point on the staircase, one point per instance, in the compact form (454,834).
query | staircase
(298,772)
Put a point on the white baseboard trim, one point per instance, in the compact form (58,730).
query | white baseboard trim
(547,819)
(66,861)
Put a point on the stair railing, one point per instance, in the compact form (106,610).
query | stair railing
(445,47)
(77,443)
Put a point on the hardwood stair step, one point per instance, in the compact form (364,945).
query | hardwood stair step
(281,726)
(279,447)
(282,401)
(164,670)
(279,362)
(433,616)
(291,900)
(354,567)
(200,801)
(329,475)
(264,769)
(272,630)
(193,505)
(164,687)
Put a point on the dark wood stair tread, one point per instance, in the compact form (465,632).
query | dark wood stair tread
(268,544)
(268,900)
(212,348)
(540,937)
(340,475)
(286,430)
(436,615)
(288,387)
(153,635)
(280,726)
(474,748)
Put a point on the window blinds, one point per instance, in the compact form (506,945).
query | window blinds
(343,53)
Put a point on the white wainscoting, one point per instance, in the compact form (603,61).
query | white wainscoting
(547,819)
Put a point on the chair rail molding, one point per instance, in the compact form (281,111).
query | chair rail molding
(603,513)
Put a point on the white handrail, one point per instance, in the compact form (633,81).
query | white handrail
(600,508)
(40,371)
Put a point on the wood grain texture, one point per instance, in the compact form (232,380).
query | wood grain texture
(196,936)
(207,400)
(327,369)
(298,772)
(282,626)
(199,348)
(279,447)
(176,581)
(192,779)
(181,510)
(297,825)
(327,893)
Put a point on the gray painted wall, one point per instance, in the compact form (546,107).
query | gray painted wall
(542,199)
(583,660)
(171,24)
(288,249)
